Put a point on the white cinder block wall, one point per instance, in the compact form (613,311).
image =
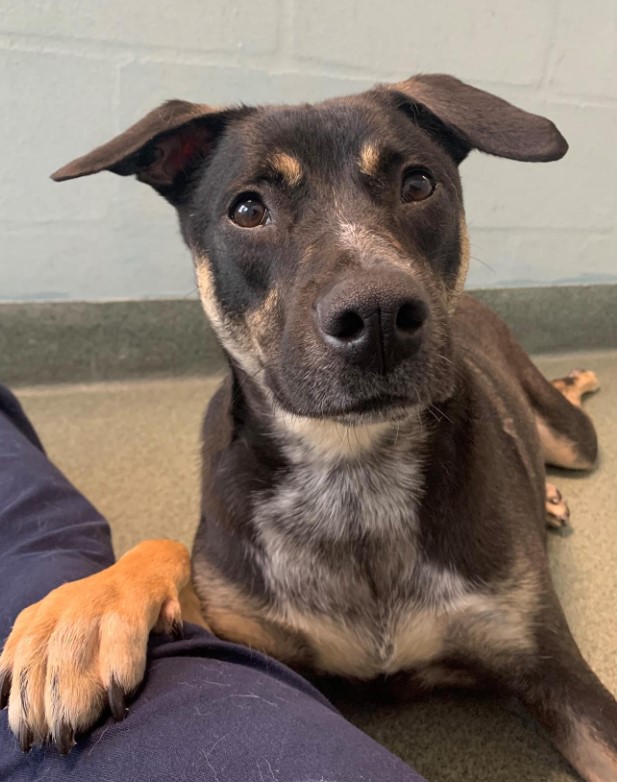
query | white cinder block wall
(75,72)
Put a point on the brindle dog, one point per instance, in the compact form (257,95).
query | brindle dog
(374,496)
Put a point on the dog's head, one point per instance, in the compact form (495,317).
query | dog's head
(329,240)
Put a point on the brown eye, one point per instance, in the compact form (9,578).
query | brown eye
(417,185)
(249,212)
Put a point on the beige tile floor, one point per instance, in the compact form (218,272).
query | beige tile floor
(132,448)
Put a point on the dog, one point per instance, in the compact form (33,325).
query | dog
(374,496)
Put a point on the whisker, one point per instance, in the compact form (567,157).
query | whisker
(429,410)
(441,412)
(479,260)
(190,293)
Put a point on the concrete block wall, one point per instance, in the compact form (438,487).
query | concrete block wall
(75,72)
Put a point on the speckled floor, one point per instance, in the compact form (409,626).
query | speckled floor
(132,448)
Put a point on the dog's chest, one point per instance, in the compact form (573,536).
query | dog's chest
(341,561)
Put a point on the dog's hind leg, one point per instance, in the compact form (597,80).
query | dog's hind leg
(567,435)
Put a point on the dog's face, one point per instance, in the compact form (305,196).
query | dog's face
(329,240)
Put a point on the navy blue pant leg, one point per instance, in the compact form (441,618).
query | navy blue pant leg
(208,710)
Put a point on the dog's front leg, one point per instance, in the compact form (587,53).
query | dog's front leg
(568,699)
(83,647)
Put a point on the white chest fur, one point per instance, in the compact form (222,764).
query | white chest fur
(341,561)
(340,547)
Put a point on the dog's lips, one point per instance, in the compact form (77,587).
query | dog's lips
(371,409)
(371,405)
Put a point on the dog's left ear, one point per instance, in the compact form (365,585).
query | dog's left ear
(163,149)
(478,120)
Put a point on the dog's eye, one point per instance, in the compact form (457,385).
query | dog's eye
(249,211)
(417,185)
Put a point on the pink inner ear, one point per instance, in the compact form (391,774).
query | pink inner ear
(176,154)
(188,147)
(181,153)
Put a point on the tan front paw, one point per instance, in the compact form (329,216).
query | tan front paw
(82,649)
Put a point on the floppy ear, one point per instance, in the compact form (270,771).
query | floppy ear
(479,120)
(163,149)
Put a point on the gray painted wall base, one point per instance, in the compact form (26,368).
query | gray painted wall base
(82,342)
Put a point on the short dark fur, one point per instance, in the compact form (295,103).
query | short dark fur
(459,399)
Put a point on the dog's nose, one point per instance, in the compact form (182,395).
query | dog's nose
(374,320)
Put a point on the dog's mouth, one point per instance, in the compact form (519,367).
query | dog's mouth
(382,405)
(368,410)
(350,400)
(348,396)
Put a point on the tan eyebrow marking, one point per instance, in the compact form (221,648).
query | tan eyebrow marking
(287,166)
(368,161)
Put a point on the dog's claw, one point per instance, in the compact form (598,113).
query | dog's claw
(117,702)
(26,737)
(65,739)
(5,689)
(177,630)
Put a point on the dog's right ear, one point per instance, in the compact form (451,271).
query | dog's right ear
(163,149)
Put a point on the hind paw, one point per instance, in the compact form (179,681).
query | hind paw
(576,384)
(557,510)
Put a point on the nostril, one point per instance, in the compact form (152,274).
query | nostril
(410,317)
(348,325)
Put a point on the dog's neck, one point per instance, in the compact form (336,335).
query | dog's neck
(331,440)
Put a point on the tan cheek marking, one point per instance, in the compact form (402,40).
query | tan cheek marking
(288,167)
(233,335)
(261,322)
(368,162)
(205,283)
(465,256)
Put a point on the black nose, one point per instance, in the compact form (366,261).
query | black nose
(374,320)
